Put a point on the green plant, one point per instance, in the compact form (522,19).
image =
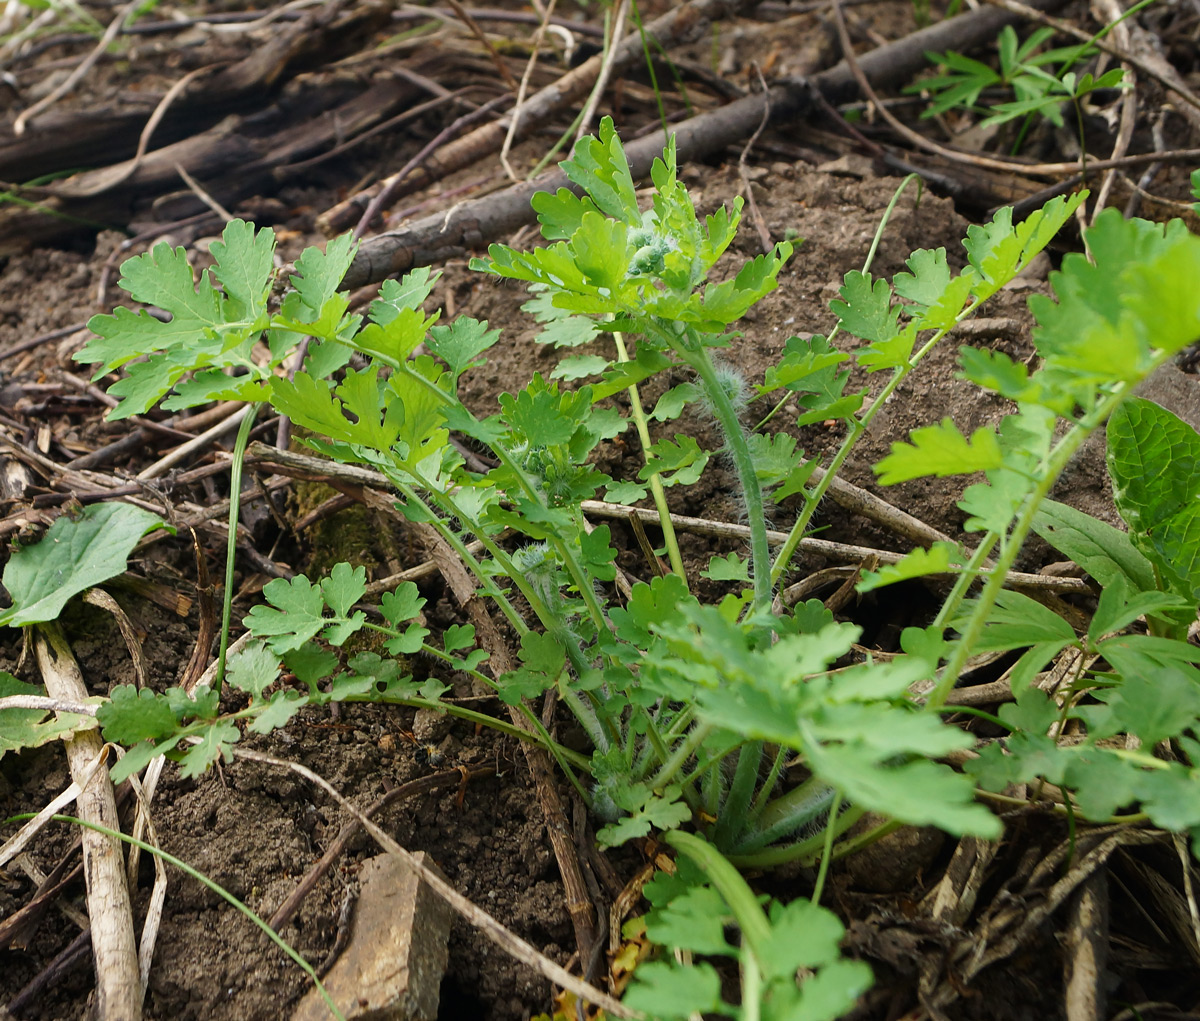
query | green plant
(1022,69)
(692,709)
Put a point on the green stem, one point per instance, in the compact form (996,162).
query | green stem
(696,355)
(542,737)
(531,492)
(1052,468)
(486,583)
(751,987)
(965,579)
(823,870)
(803,852)
(656,486)
(883,222)
(768,786)
(680,756)
(756,930)
(858,426)
(654,738)
(235,507)
(731,820)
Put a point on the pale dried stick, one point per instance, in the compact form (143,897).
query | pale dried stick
(231,421)
(114,949)
(523,88)
(606,69)
(203,195)
(19,840)
(53,705)
(1111,12)
(473,27)
(123,171)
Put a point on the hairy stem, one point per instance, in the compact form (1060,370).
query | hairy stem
(696,355)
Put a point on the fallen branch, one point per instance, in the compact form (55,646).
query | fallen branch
(473,224)
(684,21)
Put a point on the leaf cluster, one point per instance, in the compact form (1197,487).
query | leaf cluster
(1025,68)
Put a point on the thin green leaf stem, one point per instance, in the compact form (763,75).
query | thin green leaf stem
(583,712)
(1130,819)
(887,215)
(586,715)
(731,818)
(827,851)
(531,491)
(654,737)
(866,266)
(803,852)
(487,585)
(216,888)
(656,486)
(861,840)
(768,785)
(235,506)
(756,930)
(788,813)
(858,426)
(560,752)
(752,986)
(658,99)
(965,579)
(1054,464)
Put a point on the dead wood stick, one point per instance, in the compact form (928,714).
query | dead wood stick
(685,21)
(1086,950)
(471,225)
(502,661)
(63,139)
(118,980)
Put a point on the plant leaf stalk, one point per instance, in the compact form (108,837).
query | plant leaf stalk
(1054,464)
(235,506)
(866,266)
(692,351)
(216,888)
(858,426)
(566,554)
(656,486)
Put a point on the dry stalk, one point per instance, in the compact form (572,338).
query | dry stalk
(118,978)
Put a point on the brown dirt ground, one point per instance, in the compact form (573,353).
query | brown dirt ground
(256,830)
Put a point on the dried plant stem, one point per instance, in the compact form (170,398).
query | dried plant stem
(114,947)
